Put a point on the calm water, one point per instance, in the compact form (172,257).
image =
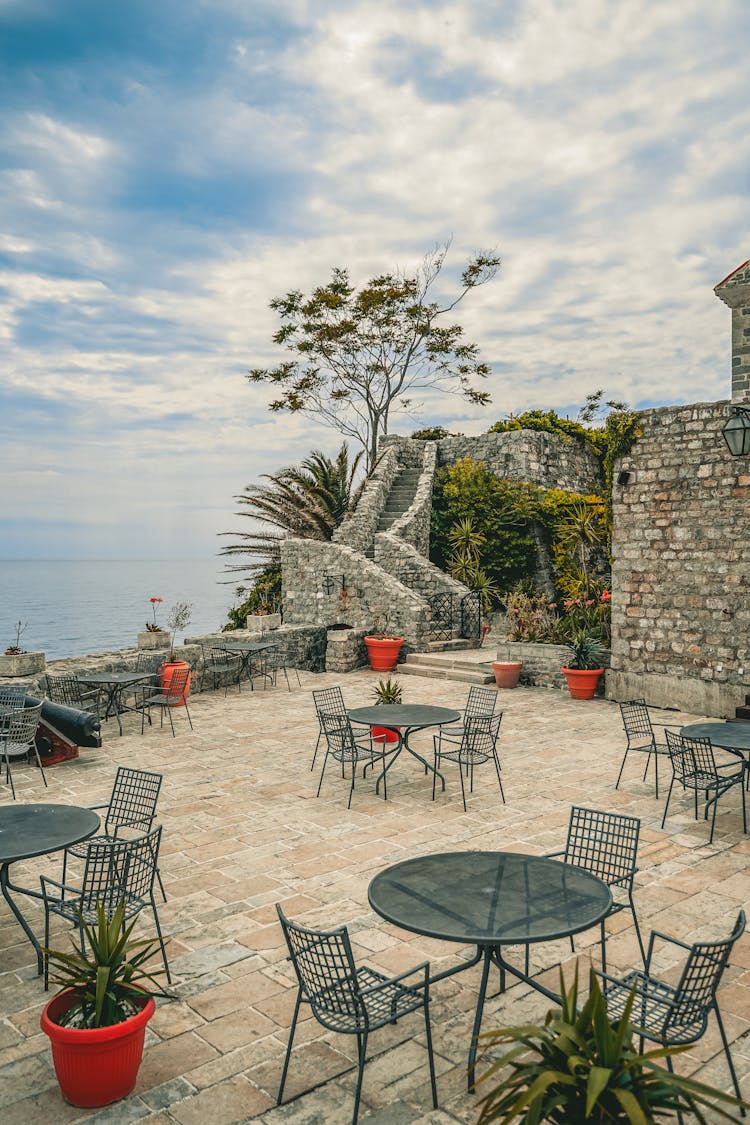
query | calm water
(73,608)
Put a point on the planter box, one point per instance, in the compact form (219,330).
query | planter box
(22,664)
(262,622)
(159,639)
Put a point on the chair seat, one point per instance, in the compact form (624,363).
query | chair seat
(358,752)
(465,757)
(71,908)
(654,1002)
(391,1001)
(14,749)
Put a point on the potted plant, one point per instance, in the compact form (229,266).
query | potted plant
(180,616)
(154,636)
(387,691)
(382,648)
(507,672)
(584,669)
(96,1023)
(580,1067)
(16,661)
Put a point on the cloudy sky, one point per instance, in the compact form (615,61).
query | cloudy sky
(167,168)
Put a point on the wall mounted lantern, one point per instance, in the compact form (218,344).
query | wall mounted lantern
(736,432)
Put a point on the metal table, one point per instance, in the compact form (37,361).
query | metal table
(734,737)
(30,830)
(489,899)
(113,684)
(403,719)
(246,650)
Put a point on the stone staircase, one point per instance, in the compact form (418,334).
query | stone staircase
(743,712)
(400,497)
(473,667)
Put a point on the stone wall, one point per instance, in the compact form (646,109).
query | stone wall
(403,562)
(547,460)
(681,566)
(734,291)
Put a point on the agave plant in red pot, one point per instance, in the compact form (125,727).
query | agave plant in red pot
(586,666)
(382,648)
(97,1022)
(387,691)
(180,616)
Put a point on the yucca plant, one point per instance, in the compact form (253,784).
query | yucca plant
(581,1067)
(586,651)
(109,983)
(387,691)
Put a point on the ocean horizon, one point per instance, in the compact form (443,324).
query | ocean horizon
(72,607)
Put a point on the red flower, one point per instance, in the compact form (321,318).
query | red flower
(606,596)
(156,599)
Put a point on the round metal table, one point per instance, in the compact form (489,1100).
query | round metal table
(404,719)
(489,899)
(114,684)
(729,736)
(31,830)
(246,650)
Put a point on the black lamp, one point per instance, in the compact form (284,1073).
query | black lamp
(736,432)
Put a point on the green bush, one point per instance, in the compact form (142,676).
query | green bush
(264,597)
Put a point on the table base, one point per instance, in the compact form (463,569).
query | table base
(403,744)
(5,887)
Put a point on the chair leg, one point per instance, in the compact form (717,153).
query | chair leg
(169,716)
(727,1052)
(622,767)
(428,1037)
(315,752)
(362,1054)
(351,789)
(325,762)
(463,790)
(46,947)
(713,818)
(603,942)
(670,1068)
(669,797)
(160,937)
(161,885)
(188,715)
(9,776)
(497,771)
(41,768)
(744,810)
(637,927)
(288,1051)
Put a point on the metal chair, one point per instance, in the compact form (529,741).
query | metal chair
(17,735)
(132,805)
(12,697)
(695,768)
(69,691)
(606,845)
(344,747)
(223,667)
(274,661)
(477,745)
(673,1015)
(331,702)
(480,702)
(173,694)
(350,999)
(114,870)
(639,731)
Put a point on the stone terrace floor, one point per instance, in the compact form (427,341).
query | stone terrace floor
(243,830)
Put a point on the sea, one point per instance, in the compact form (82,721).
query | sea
(76,607)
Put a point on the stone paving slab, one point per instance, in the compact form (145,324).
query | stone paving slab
(243,829)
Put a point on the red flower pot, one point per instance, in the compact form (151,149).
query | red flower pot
(582,682)
(383,734)
(99,1065)
(507,672)
(383,652)
(165,679)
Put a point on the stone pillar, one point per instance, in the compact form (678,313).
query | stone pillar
(734,291)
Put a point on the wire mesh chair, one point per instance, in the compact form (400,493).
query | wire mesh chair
(606,845)
(12,697)
(331,702)
(342,746)
(274,660)
(114,870)
(166,698)
(69,691)
(17,739)
(695,768)
(478,744)
(639,731)
(224,667)
(350,999)
(480,703)
(677,1014)
(132,805)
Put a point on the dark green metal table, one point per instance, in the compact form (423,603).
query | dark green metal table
(489,899)
(404,719)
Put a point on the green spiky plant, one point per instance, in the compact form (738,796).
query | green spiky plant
(586,651)
(579,1066)
(109,985)
(387,691)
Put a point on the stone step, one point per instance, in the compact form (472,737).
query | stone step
(451,644)
(431,672)
(449,658)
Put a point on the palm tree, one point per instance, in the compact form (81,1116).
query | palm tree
(306,501)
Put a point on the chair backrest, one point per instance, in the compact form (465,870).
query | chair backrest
(12,698)
(325,968)
(117,869)
(147,662)
(18,728)
(701,977)
(702,753)
(480,733)
(329,700)
(480,701)
(220,658)
(337,730)
(177,686)
(64,689)
(604,843)
(637,722)
(133,799)
(682,754)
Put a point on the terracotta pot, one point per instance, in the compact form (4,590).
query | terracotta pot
(165,678)
(99,1065)
(507,672)
(582,682)
(383,652)
(383,734)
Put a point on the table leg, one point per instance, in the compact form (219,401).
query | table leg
(403,744)
(5,887)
